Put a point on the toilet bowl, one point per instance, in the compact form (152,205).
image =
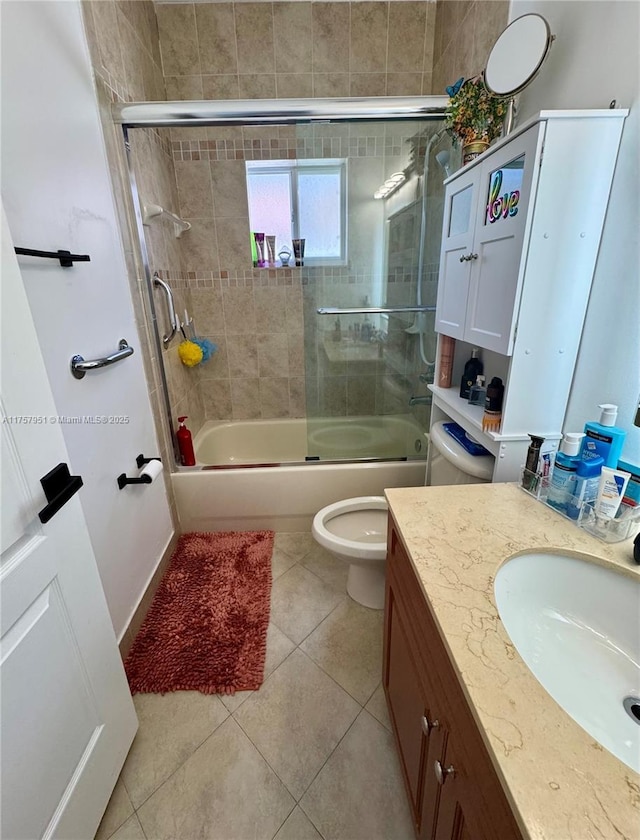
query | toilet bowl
(355,530)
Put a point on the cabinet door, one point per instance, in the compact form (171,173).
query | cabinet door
(505,191)
(461,198)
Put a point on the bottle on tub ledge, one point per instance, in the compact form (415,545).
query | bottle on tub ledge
(185,444)
(472,369)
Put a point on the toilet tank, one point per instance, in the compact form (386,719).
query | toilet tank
(450,463)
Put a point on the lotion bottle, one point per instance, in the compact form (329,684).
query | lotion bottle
(603,439)
(563,477)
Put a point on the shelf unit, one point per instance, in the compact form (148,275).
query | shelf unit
(517,284)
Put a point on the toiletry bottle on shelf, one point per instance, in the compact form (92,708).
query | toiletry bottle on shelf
(563,477)
(586,485)
(478,393)
(530,477)
(445,368)
(472,370)
(492,417)
(604,438)
(185,444)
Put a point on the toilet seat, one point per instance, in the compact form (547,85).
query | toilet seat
(353,548)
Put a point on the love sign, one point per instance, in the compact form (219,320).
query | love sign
(501,206)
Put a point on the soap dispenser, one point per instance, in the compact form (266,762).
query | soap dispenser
(563,477)
(603,439)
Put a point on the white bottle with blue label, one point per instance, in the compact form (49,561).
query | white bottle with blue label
(563,477)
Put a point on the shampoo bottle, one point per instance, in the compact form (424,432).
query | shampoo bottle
(603,439)
(185,444)
(563,477)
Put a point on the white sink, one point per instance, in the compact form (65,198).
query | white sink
(577,627)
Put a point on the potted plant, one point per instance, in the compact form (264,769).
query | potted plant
(474,117)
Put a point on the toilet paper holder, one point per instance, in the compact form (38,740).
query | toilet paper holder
(123,479)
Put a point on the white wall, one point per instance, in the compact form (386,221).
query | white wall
(56,192)
(594,60)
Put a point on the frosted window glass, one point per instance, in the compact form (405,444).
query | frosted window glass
(319,213)
(460,211)
(270,205)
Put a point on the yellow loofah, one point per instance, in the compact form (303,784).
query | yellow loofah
(190,353)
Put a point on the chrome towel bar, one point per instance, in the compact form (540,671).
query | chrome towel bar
(79,366)
(374,310)
(171,308)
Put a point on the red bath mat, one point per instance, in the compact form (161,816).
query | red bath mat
(206,629)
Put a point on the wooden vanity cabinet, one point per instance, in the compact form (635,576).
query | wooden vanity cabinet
(432,721)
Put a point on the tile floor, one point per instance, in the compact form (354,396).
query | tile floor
(308,756)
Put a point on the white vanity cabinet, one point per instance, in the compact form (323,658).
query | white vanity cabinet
(521,232)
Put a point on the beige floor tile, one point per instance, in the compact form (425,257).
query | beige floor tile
(131,830)
(118,812)
(295,544)
(279,647)
(363,775)
(225,790)
(280,562)
(331,569)
(348,646)
(377,706)
(297,827)
(296,720)
(171,727)
(300,601)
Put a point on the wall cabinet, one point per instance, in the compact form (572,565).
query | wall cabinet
(453,790)
(521,232)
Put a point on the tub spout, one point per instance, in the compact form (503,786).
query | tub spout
(420,400)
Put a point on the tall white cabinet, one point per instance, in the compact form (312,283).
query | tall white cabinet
(521,231)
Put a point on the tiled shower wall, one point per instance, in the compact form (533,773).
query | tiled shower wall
(296,49)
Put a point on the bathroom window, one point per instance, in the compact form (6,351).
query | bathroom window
(301,199)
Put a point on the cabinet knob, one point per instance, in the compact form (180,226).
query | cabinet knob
(427,725)
(472,257)
(442,773)
(463,258)
(468,257)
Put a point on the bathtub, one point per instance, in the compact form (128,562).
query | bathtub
(252,474)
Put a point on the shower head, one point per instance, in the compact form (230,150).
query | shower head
(443,159)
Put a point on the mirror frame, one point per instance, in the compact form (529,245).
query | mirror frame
(549,40)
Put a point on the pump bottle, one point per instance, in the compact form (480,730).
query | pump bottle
(185,444)
(603,439)
(563,477)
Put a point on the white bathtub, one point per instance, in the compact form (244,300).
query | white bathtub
(222,495)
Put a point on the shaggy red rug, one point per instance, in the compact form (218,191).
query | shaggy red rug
(206,629)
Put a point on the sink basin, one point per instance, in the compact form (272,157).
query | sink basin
(577,626)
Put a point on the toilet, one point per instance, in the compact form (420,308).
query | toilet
(355,530)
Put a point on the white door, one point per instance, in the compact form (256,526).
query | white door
(67,715)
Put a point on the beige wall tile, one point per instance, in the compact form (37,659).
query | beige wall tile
(427,85)
(234,249)
(136,15)
(297,397)
(217,367)
(239,311)
(183,87)
(220,87)
(216,398)
(464,46)
(492,16)
(406,37)
(271,309)
(430,38)
(216,37)
(368,45)
(295,316)
(194,189)
(257,86)
(178,39)
(229,183)
(296,354)
(254,37)
(294,85)
(331,36)
(273,354)
(198,246)
(404,84)
(108,35)
(274,398)
(245,398)
(330,84)
(367,84)
(292,37)
(243,356)
(206,306)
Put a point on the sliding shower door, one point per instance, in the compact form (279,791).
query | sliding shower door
(366,373)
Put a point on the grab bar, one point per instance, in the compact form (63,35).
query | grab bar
(79,366)
(171,309)
(375,310)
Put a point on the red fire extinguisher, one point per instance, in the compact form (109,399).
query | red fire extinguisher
(185,444)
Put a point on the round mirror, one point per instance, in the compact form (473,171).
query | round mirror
(517,55)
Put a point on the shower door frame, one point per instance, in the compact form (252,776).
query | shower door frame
(240,112)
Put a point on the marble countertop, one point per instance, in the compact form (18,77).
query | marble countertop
(561,783)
